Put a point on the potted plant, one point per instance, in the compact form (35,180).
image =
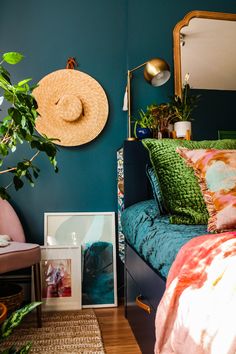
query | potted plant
(18,127)
(182,108)
(162,119)
(143,125)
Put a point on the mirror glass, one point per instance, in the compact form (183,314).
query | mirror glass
(205,48)
(208,53)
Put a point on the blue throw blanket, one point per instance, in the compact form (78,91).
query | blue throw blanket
(153,237)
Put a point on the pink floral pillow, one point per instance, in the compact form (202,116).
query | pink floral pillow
(216,172)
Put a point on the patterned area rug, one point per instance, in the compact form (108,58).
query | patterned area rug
(70,332)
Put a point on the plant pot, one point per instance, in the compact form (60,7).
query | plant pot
(143,133)
(181,128)
(3,312)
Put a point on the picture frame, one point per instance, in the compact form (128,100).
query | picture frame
(61,278)
(95,232)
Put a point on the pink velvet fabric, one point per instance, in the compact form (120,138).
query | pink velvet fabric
(18,255)
(9,222)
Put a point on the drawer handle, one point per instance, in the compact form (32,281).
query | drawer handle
(142,305)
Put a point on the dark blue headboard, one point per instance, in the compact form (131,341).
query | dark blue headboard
(136,184)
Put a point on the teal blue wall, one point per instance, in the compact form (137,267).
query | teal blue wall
(106,37)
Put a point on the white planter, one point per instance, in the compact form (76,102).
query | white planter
(181,128)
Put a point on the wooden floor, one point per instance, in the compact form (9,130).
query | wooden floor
(116,333)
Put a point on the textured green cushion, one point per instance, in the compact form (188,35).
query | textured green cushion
(180,188)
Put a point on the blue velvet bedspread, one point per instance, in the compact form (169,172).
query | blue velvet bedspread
(153,237)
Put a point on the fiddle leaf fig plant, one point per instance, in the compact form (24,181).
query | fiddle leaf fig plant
(18,127)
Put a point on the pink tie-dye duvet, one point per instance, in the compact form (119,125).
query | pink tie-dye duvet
(197,314)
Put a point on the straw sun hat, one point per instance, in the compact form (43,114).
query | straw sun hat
(72,107)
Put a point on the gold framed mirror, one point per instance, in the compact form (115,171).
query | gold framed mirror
(215,60)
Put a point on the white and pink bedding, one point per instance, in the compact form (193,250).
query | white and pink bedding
(197,314)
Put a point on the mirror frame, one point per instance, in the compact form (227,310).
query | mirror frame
(176,39)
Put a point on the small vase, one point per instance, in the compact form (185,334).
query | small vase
(181,128)
(143,133)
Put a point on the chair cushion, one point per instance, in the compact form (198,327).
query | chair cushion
(19,255)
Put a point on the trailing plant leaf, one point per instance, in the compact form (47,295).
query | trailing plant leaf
(12,57)
(23,82)
(3,71)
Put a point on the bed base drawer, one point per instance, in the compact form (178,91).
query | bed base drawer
(141,316)
(152,285)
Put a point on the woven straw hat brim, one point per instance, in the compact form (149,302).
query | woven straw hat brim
(70,88)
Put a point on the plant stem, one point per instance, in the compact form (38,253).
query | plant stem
(8,170)
(15,168)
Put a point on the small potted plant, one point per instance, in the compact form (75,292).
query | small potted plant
(182,108)
(143,125)
(162,119)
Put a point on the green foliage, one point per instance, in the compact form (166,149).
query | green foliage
(162,115)
(12,57)
(12,322)
(182,107)
(19,126)
(144,121)
(156,117)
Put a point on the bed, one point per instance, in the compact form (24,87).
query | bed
(153,242)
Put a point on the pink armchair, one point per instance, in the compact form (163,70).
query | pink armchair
(19,254)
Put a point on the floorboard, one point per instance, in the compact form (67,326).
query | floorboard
(117,335)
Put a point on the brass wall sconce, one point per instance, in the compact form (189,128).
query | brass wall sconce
(156,72)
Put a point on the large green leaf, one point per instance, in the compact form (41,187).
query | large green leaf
(12,57)
(15,319)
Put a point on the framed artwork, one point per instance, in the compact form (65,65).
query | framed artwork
(61,278)
(95,232)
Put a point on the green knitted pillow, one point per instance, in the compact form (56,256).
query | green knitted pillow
(180,188)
